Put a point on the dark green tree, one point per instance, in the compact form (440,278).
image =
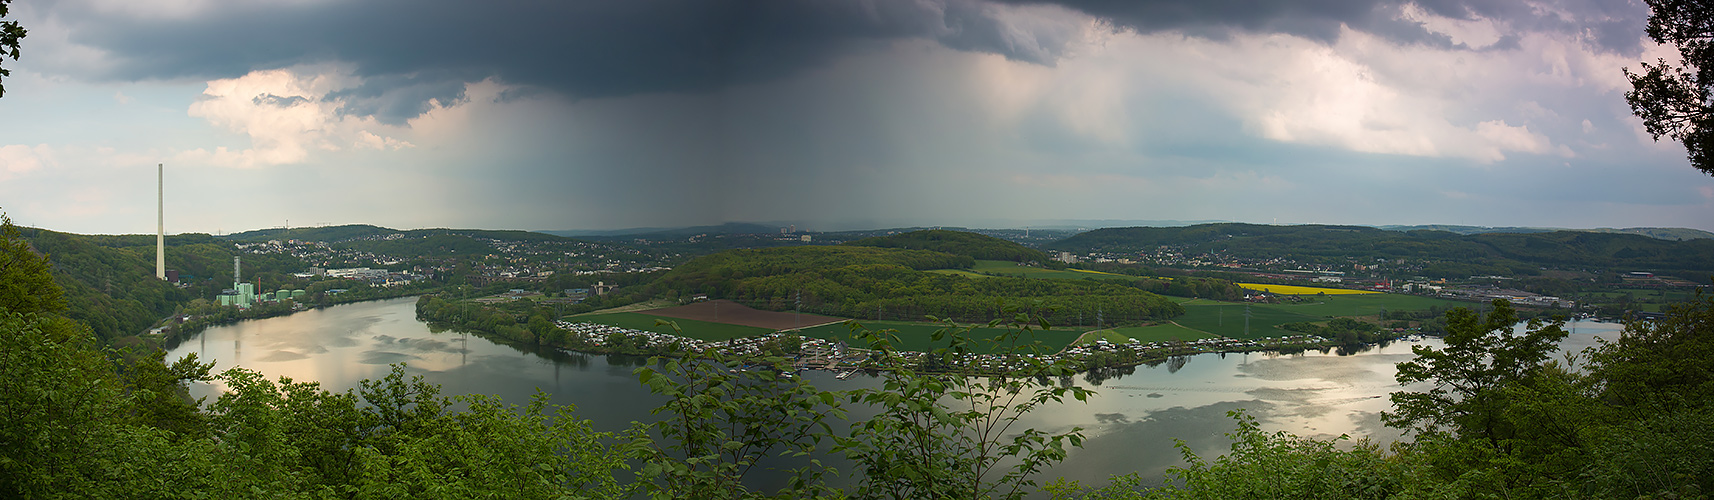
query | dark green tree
(1674,100)
(10,34)
(726,417)
(948,435)
(1483,355)
(26,286)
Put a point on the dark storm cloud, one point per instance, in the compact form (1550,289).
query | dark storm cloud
(393,99)
(1614,26)
(410,51)
(277,101)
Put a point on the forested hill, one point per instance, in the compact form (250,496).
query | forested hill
(1447,254)
(1664,233)
(972,245)
(891,283)
(325,233)
(363,232)
(110,283)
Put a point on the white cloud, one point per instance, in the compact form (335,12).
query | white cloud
(18,159)
(172,9)
(288,114)
(1478,32)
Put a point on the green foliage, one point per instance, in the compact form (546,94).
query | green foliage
(1345,331)
(1655,381)
(950,436)
(10,35)
(158,391)
(395,438)
(325,233)
(975,246)
(26,285)
(61,404)
(1660,363)
(726,417)
(109,281)
(864,282)
(1280,465)
(1673,100)
(1482,357)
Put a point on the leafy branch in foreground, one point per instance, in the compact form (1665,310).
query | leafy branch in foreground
(725,416)
(949,435)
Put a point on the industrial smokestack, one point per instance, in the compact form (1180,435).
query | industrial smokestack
(160,221)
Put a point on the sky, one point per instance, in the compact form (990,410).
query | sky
(833,114)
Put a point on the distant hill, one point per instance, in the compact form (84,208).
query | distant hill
(326,233)
(1442,253)
(1664,233)
(973,245)
(601,233)
(335,234)
(727,228)
(1453,228)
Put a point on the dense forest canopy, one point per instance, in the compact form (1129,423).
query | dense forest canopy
(111,279)
(871,282)
(973,245)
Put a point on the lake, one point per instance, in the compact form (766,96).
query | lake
(1131,423)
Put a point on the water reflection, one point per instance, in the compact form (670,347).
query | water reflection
(1131,423)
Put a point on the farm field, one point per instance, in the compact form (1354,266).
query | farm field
(959,272)
(1363,305)
(1301,290)
(701,330)
(1157,333)
(914,336)
(1006,268)
(1226,319)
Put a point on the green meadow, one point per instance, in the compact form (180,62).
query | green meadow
(1363,305)
(701,330)
(1006,268)
(1156,333)
(1226,319)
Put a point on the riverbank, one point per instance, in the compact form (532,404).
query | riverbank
(525,324)
(181,326)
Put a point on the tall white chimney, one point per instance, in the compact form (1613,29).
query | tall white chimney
(160,221)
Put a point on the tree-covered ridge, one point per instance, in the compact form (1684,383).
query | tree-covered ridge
(325,233)
(351,232)
(871,282)
(1508,253)
(976,246)
(110,283)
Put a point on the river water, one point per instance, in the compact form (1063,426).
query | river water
(1131,423)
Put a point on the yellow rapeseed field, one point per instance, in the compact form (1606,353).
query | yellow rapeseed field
(1300,290)
(1097,272)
